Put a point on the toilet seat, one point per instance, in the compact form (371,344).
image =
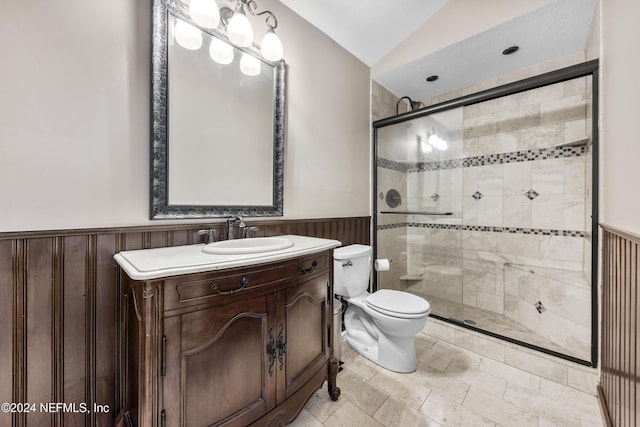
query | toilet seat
(398,304)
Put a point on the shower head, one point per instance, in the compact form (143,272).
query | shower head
(413,104)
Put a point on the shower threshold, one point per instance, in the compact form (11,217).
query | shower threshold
(498,325)
(465,321)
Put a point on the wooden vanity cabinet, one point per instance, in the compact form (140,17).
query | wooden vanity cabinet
(237,347)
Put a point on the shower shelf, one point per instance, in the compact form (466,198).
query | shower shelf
(578,143)
(412,277)
(416,213)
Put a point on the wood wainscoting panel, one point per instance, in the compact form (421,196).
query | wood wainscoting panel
(72,342)
(40,326)
(62,315)
(619,388)
(104,290)
(9,333)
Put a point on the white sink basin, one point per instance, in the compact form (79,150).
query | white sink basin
(247,246)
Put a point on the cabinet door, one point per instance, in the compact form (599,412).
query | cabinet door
(217,364)
(305,324)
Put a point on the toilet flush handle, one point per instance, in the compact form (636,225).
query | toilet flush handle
(347,264)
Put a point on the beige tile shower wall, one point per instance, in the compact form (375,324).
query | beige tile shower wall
(587,242)
(486,254)
(383,102)
(565,295)
(539,118)
(588,176)
(435,191)
(559,205)
(389,179)
(392,245)
(435,263)
(391,242)
(543,118)
(523,73)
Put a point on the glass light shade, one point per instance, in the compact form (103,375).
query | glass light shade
(187,36)
(271,46)
(239,30)
(220,51)
(205,13)
(249,65)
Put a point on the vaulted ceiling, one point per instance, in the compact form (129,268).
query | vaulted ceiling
(461,41)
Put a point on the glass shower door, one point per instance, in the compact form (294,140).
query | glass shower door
(486,206)
(419,187)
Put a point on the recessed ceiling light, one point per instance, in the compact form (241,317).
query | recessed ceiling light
(510,50)
(432,78)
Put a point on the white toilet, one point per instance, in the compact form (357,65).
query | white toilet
(380,326)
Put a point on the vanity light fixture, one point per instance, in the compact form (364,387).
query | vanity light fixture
(238,28)
(271,47)
(205,13)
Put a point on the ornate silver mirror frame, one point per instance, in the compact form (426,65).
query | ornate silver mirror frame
(160,207)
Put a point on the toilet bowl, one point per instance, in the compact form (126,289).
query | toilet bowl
(380,326)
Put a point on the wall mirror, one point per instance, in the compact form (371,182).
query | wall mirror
(218,123)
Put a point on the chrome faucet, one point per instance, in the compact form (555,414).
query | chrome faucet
(232,220)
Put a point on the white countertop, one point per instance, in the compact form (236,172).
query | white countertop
(146,264)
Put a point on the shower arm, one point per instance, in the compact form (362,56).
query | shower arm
(413,104)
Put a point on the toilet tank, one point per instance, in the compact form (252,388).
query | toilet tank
(351,269)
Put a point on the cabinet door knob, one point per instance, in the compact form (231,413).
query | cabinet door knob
(308,270)
(243,284)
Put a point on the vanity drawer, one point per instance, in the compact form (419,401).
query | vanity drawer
(201,288)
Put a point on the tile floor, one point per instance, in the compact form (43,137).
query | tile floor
(451,387)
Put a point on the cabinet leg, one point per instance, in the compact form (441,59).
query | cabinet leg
(334,391)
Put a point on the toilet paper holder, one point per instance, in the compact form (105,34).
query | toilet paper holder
(382,264)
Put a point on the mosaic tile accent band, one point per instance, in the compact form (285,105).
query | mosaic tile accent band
(490,159)
(488,228)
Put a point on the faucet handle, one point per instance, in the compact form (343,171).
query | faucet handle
(210,233)
(249,230)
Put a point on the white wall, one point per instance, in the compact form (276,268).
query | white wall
(75,119)
(327,152)
(620,126)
